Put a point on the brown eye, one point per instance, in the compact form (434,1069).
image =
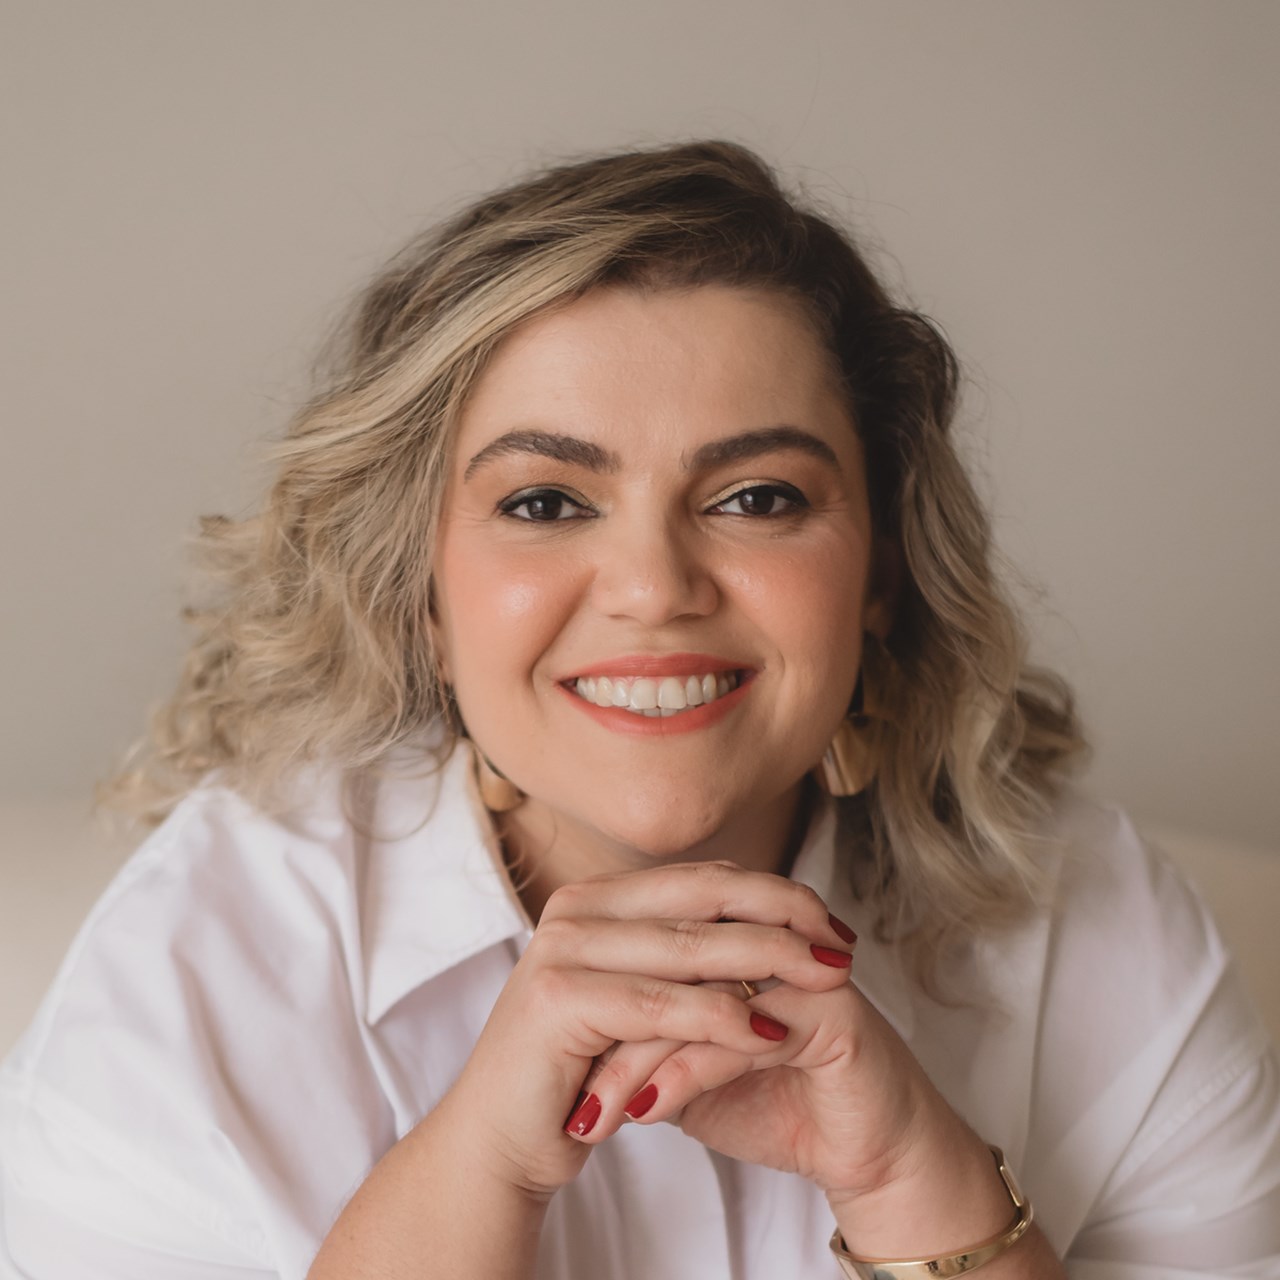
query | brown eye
(763,500)
(543,506)
(757,502)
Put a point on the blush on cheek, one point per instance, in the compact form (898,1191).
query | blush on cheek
(500,620)
(516,601)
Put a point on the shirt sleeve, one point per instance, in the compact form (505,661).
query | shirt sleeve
(195,1098)
(1164,1140)
(1200,1196)
(77,1203)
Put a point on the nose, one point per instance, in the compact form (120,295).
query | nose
(653,571)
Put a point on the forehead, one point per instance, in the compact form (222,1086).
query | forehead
(681,363)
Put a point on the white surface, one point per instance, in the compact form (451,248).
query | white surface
(1084,194)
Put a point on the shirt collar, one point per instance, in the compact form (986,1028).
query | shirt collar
(435,890)
(439,893)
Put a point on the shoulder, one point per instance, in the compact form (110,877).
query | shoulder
(1109,878)
(1132,953)
(1147,1048)
(205,1036)
(1123,919)
(216,874)
(238,904)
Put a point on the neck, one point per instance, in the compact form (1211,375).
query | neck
(544,849)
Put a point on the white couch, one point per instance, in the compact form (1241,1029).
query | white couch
(54,863)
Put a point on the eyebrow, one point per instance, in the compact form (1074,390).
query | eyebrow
(717,453)
(546,444)
(752,444)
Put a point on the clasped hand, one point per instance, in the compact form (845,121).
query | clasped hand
(628,1000)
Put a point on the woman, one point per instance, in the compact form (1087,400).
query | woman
(619,637)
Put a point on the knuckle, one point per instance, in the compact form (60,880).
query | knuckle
(551,987)
(564,901)
(679,1077)
(781,945)
(616,1076)
(558,935)
(717,872)
(655,1000)
(727,1013)
(687,937)
(809,902)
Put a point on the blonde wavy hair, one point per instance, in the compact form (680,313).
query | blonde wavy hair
(311,644)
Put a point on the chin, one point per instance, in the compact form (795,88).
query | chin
(664,832)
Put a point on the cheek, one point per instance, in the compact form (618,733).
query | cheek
(498,608)
(811,603)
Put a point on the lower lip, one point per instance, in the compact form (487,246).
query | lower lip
(688,721)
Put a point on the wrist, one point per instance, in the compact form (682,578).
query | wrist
(940,1201)
(482,1160)
(956,1262)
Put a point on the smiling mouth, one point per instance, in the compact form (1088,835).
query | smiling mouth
(655,698)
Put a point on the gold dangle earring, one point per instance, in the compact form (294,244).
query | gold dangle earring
(498,793)
(853,758)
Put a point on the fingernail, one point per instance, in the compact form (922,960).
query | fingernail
(642,1102)
(842,930)
(767,1027)
(836,959)
(584,1117)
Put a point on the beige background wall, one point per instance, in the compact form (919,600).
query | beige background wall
(1085,195)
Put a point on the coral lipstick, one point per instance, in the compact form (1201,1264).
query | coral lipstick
(691,719)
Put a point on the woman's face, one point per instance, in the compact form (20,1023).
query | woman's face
(657,497)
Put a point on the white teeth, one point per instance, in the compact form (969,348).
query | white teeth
(644,695)
(671,694)
(652,697)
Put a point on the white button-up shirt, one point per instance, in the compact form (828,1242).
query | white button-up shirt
(259,1007)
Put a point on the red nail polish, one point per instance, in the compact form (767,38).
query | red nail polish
(584,1117)
(643,1102)
(768,1028)
(841,930)
(836,959)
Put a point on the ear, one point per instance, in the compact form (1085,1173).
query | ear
(884,588)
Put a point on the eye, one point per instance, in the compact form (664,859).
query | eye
(543,506)
(772,499)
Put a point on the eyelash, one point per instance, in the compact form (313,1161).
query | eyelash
(509,506)
(796,501)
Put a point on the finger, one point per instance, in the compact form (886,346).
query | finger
(612,1080)
(703,891)
(628,1007)
(617,1073)
(625,1063)
(695,951)
(613,1092)
(686,1074)
(815,1022)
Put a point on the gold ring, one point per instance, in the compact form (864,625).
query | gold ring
(749,987)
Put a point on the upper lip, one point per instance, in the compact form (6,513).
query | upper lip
(659,664)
